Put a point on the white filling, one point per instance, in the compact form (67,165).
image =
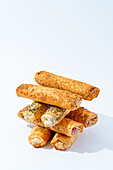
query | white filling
(48,120)
(36,141)
(60,145)
(28,117)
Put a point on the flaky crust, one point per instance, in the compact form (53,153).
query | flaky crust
(67,141)
(65,126)
(37,121)
(84,116)
(39,132)
(53,115)
(20,113)
(87,91)
(33,112)
(50,96)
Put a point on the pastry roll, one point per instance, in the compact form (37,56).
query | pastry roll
(68,127)
(53,115)
(83,116)
(87,91)
(35,121)
(33,112)
(62,142)
(51,96)
(65,126)
(39,136)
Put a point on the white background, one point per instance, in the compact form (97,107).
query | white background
(69,38)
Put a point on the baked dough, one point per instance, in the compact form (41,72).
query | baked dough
(62,142)
(68,127)
(50,96)
(34,111)
(39,136)
(53,115)
(84,116)
(65,126)
(87,91)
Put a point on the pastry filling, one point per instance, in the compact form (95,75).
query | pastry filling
(60,145)
(31,113)
(74,131)
(36,141)
(48,120)
(28,116)
(94,93)
(77,102)
(88,123)
(92,121)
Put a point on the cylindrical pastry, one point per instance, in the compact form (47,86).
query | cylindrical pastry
(68,127)
(65,126)
(34,112)
(87,91)
(36,121)
(62,142)
(39,136)
(83,116)
(51,96)
(53,115)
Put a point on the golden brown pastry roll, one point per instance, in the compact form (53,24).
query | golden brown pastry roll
(84,116)
(53,115)
(68,127)
(65,126)
(87,91)
(39,136)
(62,142)
(48,95)
(33,112)
(36,121)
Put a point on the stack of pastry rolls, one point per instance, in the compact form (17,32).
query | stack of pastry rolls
(56,109)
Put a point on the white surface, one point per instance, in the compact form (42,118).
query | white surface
(69,38)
